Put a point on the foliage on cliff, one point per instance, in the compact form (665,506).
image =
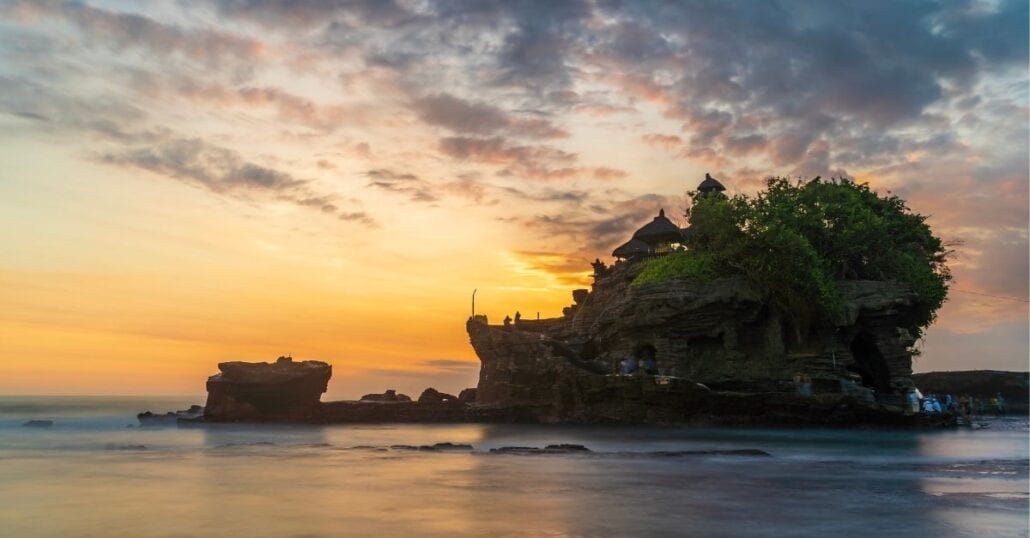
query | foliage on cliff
(794,241)
(680,265)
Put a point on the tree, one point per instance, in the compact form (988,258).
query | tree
(796,240)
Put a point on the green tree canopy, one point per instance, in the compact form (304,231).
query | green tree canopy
(796,240)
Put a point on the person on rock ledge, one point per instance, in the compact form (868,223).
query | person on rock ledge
(630,365)
(650,364)
(518,316)
(507,321)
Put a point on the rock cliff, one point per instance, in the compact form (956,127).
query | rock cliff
(721,350)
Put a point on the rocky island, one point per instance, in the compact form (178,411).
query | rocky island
(737,318)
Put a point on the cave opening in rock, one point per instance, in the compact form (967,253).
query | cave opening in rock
(645,351)
(869,362)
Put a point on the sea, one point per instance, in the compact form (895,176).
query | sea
(95,472)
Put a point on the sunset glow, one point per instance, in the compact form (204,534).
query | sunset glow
(185,183)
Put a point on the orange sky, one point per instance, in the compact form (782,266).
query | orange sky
(183,187)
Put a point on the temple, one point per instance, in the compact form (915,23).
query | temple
(661,235)
(708,346)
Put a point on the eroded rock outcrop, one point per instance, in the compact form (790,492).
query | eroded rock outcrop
(288,391)
(281,391)
(724,356)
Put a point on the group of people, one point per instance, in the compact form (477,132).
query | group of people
(964,405)
(633,366)
(507,319)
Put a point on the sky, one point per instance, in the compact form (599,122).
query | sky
(189,182)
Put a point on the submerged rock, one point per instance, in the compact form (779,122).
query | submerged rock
(432,395)
(38,424)
(112,446)
(170,418)
(549,449)
(461,447)
(753,452)
(388,396)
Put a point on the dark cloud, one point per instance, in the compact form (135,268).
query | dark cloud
(198,162)
(467,117)
(513,160)
(595,228)
(225,171)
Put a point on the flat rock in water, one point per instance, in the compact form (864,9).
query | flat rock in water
(450,446)
(740,452)
(549,449)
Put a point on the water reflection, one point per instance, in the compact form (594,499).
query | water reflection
(276,481)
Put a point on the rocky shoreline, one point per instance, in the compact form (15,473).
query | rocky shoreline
(289,392)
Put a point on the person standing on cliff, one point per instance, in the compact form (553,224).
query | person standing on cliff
(518,316)
(507,321)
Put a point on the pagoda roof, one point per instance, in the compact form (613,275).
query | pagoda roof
(710,184)
(659,230)
(631,248)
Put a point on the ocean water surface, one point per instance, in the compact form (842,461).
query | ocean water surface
(91,475)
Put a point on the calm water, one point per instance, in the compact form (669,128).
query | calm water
(89,476)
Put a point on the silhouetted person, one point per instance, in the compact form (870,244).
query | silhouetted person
(650,365)
(507,321)
(518,316)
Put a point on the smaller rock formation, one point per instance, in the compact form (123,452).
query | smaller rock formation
(388,396)
(467,396)
(280,391)
(549,449)
(432,395)
(171,418)
(38,424)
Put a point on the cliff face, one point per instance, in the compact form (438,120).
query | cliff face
(720,334)
(261,391)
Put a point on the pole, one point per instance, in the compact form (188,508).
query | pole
(474,303)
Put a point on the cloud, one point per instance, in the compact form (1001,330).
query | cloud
(224,171)
(599,225)
(467,117)
(927,99)
(449,364)
(288,107)
(523,161)
(568,270)
(212,167)
(122,31)
(408,184)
